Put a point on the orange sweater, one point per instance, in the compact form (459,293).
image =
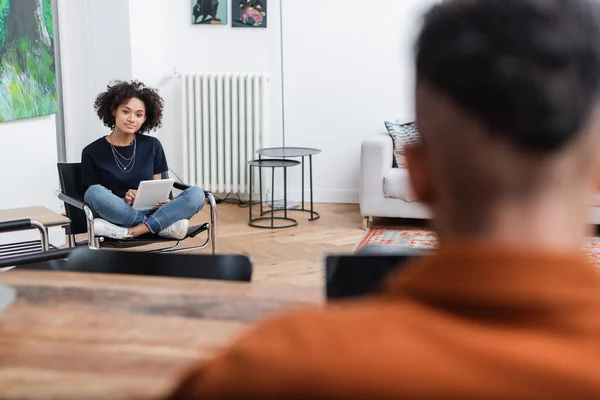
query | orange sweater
(473,321)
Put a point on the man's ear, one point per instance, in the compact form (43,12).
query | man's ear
(596,172)
(593,144)
(420,179)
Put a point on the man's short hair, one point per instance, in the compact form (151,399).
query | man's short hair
(528,69)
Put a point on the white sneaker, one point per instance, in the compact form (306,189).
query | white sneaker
(178,230)
(110,230)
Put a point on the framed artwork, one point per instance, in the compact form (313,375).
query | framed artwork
(209,12)
(249,13)
(27,69)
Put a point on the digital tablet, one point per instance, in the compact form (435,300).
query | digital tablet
(149,193)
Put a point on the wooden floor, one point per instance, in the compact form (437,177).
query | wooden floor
(293,255)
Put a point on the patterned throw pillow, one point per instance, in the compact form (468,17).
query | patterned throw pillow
(402,135)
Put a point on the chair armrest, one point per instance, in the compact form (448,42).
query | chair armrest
(375,162)
(180,186)
(75,202)
(15,225)
(21,224)
(183,186)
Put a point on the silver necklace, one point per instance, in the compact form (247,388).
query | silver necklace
(126,168)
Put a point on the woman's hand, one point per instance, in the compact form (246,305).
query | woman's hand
(130,196)
(161,203)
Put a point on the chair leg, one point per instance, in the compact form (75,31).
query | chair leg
(170,249)
(367,221)
(213,222)
(43,234)
(71,241)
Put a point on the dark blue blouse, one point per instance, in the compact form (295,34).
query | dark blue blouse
(98,165)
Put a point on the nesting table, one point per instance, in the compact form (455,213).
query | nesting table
(294,152)
(271,163)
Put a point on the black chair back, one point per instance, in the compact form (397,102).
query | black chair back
(200,266)
(358,275)
(46,260)
(69,175)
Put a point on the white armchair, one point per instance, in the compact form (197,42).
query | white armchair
(385,191)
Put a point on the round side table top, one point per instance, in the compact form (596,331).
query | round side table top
(288,152)
(270,163)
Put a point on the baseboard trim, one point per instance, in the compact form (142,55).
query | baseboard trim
(322,196)
(319,196)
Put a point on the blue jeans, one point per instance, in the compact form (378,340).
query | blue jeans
(106,205)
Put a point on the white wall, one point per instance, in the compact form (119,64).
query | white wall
(95,50)
(28,158)
(199,48)
(345,74)
(149,43)
(148,40)
(347,69)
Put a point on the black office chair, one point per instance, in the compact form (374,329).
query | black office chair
(46,260)
(364,273)
(84,259)
(82,219)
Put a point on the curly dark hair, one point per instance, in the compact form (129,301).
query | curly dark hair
(529,69)
(121,92)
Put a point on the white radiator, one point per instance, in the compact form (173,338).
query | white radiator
(226,119)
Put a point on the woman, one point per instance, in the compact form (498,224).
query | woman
(114,165)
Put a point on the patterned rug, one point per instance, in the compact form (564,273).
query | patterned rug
(424,239)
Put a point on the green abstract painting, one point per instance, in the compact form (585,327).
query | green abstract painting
(27,71)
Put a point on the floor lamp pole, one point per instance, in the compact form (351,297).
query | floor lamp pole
(282,72)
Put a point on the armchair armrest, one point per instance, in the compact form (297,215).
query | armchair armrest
(21,224)
(180,186)
(15,225)
(376,160)
(78,202)
(183,186)
(75,202)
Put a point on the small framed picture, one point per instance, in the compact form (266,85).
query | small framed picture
(249,13)
(209,12)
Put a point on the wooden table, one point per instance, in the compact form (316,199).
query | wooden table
(100,336)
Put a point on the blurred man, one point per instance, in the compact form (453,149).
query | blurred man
(508,307)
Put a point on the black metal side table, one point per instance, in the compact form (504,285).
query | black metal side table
(286,152)
(271,163)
